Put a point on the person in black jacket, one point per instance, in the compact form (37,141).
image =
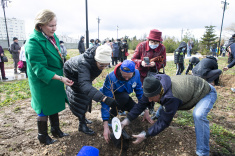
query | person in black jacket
(123,50)
(179,57)
(231,41)
(192,62)
(207,69)
(82,70)
(81,46)
(231,49)
(15,51)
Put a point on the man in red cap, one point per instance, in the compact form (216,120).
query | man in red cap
(154,51)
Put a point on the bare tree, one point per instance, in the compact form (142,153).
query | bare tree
(231,29)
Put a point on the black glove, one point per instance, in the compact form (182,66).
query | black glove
(110,102)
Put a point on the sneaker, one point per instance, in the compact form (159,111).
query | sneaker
(4,78)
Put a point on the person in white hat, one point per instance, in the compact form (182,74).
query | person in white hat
(83,69)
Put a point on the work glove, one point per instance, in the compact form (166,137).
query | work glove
(110,102)
(139,138)
(125,122)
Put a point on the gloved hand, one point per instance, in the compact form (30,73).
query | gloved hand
(125,122)
(110,102)
(139,138)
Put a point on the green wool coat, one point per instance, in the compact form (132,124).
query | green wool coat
(43,62)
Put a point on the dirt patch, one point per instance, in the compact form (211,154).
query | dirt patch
(18,131)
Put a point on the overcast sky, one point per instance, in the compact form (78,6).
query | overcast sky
(133,17)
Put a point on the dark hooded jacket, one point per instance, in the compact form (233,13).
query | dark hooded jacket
(14,50)
(81,46)
(82,69)
(232,63)
(122,54)
(192,62)
(230,56)
(179,53)
(204,66)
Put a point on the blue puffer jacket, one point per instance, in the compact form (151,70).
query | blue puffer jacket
(120,86)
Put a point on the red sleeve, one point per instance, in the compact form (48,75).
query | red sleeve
(137,55)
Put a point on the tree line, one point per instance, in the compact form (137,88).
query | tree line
(208,40)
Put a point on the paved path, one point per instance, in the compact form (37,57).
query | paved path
(171,58)
(11,76)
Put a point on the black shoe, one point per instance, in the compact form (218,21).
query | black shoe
(42,133)
(88,121)
(16,73)
(83,128)
(56,132)
(4,78)
(45,139)
(55,126)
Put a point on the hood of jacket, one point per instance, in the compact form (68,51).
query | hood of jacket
(212,57)
(81,39)
(230,41)
(182,44)
(89,55)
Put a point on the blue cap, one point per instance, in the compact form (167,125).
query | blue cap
(88,151)
(128,66)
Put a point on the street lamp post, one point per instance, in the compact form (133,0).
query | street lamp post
(224,8)
(87,32)
(98,25)
(4,3)
(117,31)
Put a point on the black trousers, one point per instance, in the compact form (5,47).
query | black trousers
(213,75)
(25,67)
(16,60)
(125,103)
(114,60)
(180,68)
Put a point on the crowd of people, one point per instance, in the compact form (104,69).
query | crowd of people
(47,69)
(119,48)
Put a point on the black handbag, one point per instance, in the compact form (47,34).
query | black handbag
(4,58)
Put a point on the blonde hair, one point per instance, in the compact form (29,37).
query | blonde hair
(43,17)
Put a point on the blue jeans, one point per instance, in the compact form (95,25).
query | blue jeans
(202,129)
(188,53)
(201,122)
(158,111)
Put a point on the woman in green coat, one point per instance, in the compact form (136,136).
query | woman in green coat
(45,75)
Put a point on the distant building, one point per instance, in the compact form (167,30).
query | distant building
(67,39)
(16,28)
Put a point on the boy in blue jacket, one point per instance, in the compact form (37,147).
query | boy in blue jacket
(122,81)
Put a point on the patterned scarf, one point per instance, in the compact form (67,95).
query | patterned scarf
(53,42)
